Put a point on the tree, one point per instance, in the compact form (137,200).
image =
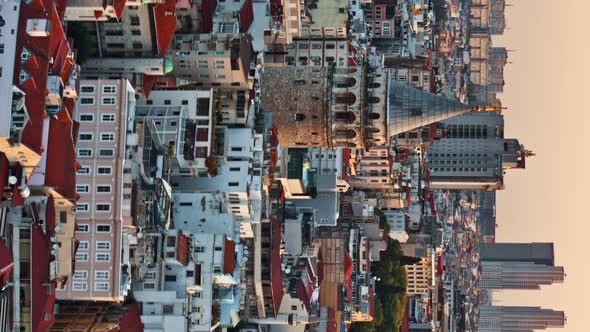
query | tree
(409,260)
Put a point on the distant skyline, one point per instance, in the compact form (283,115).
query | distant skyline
(546,94)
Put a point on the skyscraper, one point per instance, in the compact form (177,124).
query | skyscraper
(518,319)
(474,153)
(518,275)
(518,265)
(539,253)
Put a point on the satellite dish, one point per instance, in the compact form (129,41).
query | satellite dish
(24,191)
(12,179)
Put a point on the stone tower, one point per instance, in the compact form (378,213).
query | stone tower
(348,107)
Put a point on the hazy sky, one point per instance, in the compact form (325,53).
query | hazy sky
(548,96)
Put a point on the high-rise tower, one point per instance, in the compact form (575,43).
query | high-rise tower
(518,319)
(518,266)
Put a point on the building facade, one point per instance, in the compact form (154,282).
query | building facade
(518,319)
(103,212)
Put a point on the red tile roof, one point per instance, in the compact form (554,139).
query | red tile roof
(4,165)
(165,16)
(42,300)
(229,256)
(61,175)
(6,264)
(119,6)
(246,16)
(348,267)
(17,199)
(207,10)
(54,47)
(276,275)
(320,268)
(131,321)
(303,295)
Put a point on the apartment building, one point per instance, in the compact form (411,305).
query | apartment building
(382,18)
(373,170)
(419,78)
(421,275)
(181,120)
(125,28)
(213,60)
(104,111)
(314,36)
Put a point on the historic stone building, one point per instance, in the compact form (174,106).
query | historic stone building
(347,107)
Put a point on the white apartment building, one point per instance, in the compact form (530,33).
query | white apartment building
(104,185)
(183,119)
(9,11)
(397,224)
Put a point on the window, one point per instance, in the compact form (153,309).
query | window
(109,89)
(134,20)
(170,278)
(217,269)
(136,32)
(106,152)
(82,256)
(83,245)
(82,207)
(103,189)
(109,101)
(101,286)
(203,76)
(84,152)
(168,309)
(171,241)
(238,149)
(84,170)
(101,275)
(107,137)
(103,257)
(82,188)
(103,207)
(86,117)
(221,77)
(104,170)
(87,89)
(233,184)
(79,286)
(80,275)
(108,117)
(87,101)
(103,228)
(85,137)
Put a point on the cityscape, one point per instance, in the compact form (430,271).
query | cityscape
(261,166)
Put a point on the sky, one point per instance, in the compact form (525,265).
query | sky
(547,95)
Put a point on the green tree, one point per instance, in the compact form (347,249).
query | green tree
(409,260)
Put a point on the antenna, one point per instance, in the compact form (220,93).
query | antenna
(480,108)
